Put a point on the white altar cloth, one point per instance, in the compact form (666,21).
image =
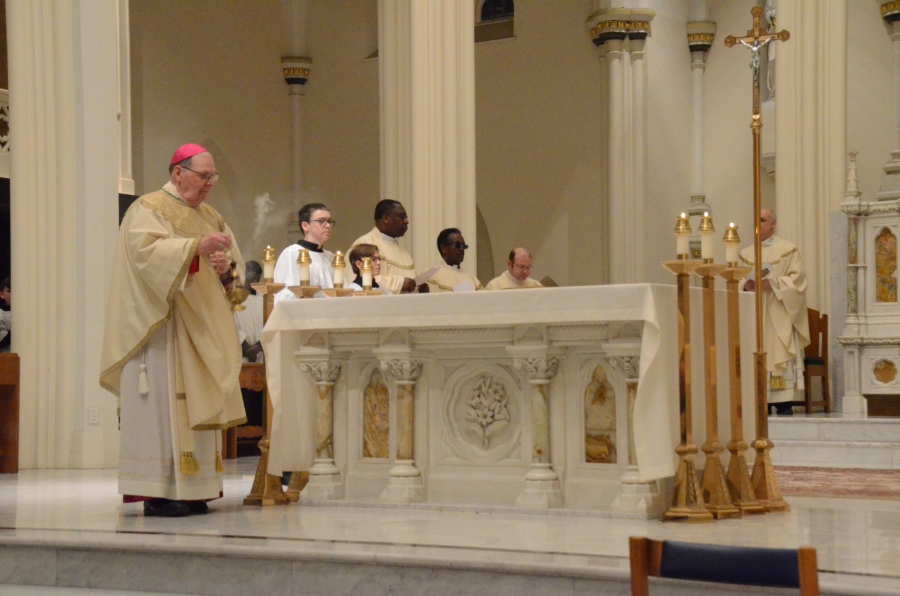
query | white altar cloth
(656,406)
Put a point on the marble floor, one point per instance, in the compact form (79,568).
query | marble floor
(858,540)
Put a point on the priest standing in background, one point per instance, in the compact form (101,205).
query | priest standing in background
(170,351)
(449,277)
(518,268)
(785,322)
(316,224)
(397,266)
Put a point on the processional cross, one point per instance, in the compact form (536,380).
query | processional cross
(764,482)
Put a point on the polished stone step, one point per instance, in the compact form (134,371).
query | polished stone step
(836,441)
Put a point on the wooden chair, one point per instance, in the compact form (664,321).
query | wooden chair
(253,376)
(746,566)
(815,361)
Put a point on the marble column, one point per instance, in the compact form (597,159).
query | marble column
(620,35)
(296,66)
(700,37)
(542,489)
(634,495)
(811,140)
(405,484)
(126,178)
(427,79)
(65,171)
(852,401)
(324,477)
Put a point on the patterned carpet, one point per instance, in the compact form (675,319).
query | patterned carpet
(836,482)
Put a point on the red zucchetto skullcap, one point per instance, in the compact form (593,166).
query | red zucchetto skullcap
(186,151)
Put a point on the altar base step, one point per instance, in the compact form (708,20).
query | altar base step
(835,441)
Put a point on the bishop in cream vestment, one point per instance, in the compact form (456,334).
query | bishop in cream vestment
(785,323)
(171,350)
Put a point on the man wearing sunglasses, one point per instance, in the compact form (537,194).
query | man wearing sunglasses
(170,351)
(450,278)
(317,225)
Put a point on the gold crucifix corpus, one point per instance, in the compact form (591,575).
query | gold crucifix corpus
(765,484)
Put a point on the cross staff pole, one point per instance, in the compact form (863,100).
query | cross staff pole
(765,483)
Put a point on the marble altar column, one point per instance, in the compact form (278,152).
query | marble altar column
(405,483)
(852,401)
(635,496)
(542,489)
(324,477)
(426,55)
(65,172)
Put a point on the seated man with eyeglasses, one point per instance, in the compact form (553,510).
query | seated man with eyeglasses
(450,278)
(518,268)
(356,256)
(316,223)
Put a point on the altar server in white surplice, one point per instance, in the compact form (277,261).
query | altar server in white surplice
(170,350)
(250,320)
(397,266)
(518,268)
(316,223)
(449,277)
(785,323)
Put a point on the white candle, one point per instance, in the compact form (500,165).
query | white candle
(682,236)
(367,279)
(269,264)
(731,247)
(338,277)
(304,272)
(706,237)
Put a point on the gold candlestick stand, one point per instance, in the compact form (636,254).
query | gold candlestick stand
(266,487)
(738,478)
(687,503)
(715,489)
(765,484)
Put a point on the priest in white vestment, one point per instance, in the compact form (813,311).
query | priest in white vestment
(785,322)
(518,268)
(316,223)
(170,351)
(449,277)
(397,267)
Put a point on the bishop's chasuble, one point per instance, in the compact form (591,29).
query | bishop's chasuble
(505,281)
(785,323)
(396,263)
(171,351)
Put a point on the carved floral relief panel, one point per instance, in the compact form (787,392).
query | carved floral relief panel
(886,267)
(376,417)
(482,414)
(599,419)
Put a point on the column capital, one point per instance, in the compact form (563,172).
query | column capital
(619,24)
(631,365)
(540,369)
(404,371)
(325,372)
(296,72)
(700,37)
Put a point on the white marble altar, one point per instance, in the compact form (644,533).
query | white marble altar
(496,398)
